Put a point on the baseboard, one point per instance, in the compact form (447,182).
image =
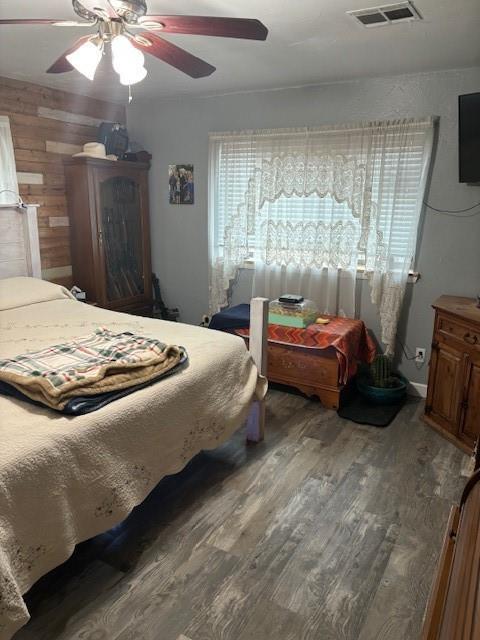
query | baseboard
(417,389)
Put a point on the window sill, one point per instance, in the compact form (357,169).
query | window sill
(413,276)
(362,274)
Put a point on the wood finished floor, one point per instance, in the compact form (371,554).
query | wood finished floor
(327,531)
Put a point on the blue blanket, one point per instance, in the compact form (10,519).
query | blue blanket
(237,317)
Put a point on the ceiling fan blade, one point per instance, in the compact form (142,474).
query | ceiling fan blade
(60,23)
(62,65)
(73,23)
(171,54)
(206,26)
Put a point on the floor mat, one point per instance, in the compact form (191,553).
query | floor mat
(357,409)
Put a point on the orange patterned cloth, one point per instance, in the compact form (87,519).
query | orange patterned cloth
(348,337)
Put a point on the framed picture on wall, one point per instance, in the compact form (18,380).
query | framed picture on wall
(180,184)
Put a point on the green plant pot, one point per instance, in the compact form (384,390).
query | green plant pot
(380,395)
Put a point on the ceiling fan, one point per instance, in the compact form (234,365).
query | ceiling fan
(115,18)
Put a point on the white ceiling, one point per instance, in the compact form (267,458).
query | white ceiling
(309,42)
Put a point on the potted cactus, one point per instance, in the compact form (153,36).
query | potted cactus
(380,384)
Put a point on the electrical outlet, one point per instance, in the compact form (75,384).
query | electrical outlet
(420,354)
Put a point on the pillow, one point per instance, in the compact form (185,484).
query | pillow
(23,291)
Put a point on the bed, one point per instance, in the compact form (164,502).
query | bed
(65,479)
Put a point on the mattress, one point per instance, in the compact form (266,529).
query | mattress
(65,479)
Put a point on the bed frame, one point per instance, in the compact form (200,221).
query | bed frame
(258,351)
(20,256)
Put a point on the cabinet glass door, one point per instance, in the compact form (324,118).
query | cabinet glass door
(121,234)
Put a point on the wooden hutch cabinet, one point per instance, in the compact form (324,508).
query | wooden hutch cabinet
(110,237)
(453,397)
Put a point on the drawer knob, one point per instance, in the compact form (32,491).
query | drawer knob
(470,339)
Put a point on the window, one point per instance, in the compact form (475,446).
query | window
(396,171)
(308,200)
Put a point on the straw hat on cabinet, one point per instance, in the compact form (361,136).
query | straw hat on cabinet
(94,150)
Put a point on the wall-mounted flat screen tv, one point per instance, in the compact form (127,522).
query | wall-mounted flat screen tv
(469,137)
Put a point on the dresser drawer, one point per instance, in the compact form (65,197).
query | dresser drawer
(469,335)
(307,366)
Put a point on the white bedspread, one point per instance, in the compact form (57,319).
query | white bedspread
(65,479)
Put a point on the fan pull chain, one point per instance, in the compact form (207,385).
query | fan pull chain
(130,97)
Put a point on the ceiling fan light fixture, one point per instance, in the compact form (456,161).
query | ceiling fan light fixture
(86,58)
(113,18)
(132,76)
(125,56)
(127,61)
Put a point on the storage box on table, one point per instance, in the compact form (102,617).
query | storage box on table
(298,315)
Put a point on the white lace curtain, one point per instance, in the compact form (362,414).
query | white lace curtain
(311,206)
(8,174)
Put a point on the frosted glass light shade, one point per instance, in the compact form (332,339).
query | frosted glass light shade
(125,56)
(132,75)
(86,58)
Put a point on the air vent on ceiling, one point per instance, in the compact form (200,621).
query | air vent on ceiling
(387,14)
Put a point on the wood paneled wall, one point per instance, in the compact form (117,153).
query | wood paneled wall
(46,124)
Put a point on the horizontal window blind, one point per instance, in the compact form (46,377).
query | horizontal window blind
(394,164)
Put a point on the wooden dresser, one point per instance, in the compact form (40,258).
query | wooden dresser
(110,237)
(453,611)
(453,397)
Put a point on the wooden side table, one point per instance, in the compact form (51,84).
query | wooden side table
(314,372)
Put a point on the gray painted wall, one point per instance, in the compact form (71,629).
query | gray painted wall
(176,131)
